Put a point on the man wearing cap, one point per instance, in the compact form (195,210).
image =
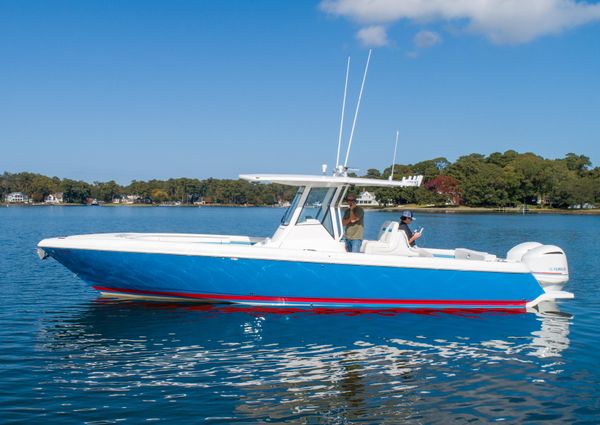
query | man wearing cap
(353,220)
(406,218)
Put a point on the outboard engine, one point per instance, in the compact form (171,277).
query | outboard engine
(516,253)
(548,263)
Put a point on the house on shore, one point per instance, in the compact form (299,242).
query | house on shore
(54,198)
(127,199)
(367,199)
(17,198)
(584,206)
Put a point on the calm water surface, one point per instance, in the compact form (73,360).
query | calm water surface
(67,356)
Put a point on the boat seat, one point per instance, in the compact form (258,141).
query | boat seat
(391,241)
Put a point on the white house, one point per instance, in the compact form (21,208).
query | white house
(282,204)
(131,199)
(17,198)
(584,206)
(367,199)
(54,198)
(126,199)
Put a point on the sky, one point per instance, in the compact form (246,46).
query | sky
(103,90)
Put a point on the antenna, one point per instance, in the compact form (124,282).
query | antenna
(357,107)
(337,160)
(394,160)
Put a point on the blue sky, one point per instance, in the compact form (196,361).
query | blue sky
(100,90)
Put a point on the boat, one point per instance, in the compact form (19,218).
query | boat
(305,264)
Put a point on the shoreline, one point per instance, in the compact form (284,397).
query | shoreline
(19,205)
(412,207)
(486,210)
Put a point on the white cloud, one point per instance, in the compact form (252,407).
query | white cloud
(501,21)
(426,39)
(373,36)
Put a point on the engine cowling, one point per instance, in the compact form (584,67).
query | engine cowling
(516,253)
(548,264)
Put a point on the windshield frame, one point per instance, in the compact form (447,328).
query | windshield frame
(289,213)
(319,201)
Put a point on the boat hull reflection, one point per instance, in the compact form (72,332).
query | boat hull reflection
(262,364)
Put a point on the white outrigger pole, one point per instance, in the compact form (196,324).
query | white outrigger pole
(394,159)
(337,159)
(356,112)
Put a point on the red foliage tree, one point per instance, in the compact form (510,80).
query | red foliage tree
(447,186)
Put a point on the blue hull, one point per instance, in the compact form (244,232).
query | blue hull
(273,282)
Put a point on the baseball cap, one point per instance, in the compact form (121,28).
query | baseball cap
(408,214)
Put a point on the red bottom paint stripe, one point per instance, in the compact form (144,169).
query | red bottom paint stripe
(234,298)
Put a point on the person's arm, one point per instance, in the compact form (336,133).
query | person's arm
(356,214)
(414,237)
(346,220)
(352,217)
(410,236)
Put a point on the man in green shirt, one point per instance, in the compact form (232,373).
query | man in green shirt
(353,220)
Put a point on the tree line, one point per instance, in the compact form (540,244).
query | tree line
(182,190)
(498,180)
(506,179)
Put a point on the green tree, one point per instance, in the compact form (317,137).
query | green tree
(430,168)
(574,192)
(159,195)
(138,188)
(75,191)
(106,191)
(502,159)
(482,182)
(400,170)
(536,176)
(373,173)
(578,163)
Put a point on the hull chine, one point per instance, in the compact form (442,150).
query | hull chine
(311,302)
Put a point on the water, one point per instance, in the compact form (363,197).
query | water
(67,356)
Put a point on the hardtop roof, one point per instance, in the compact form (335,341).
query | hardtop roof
(330,181)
